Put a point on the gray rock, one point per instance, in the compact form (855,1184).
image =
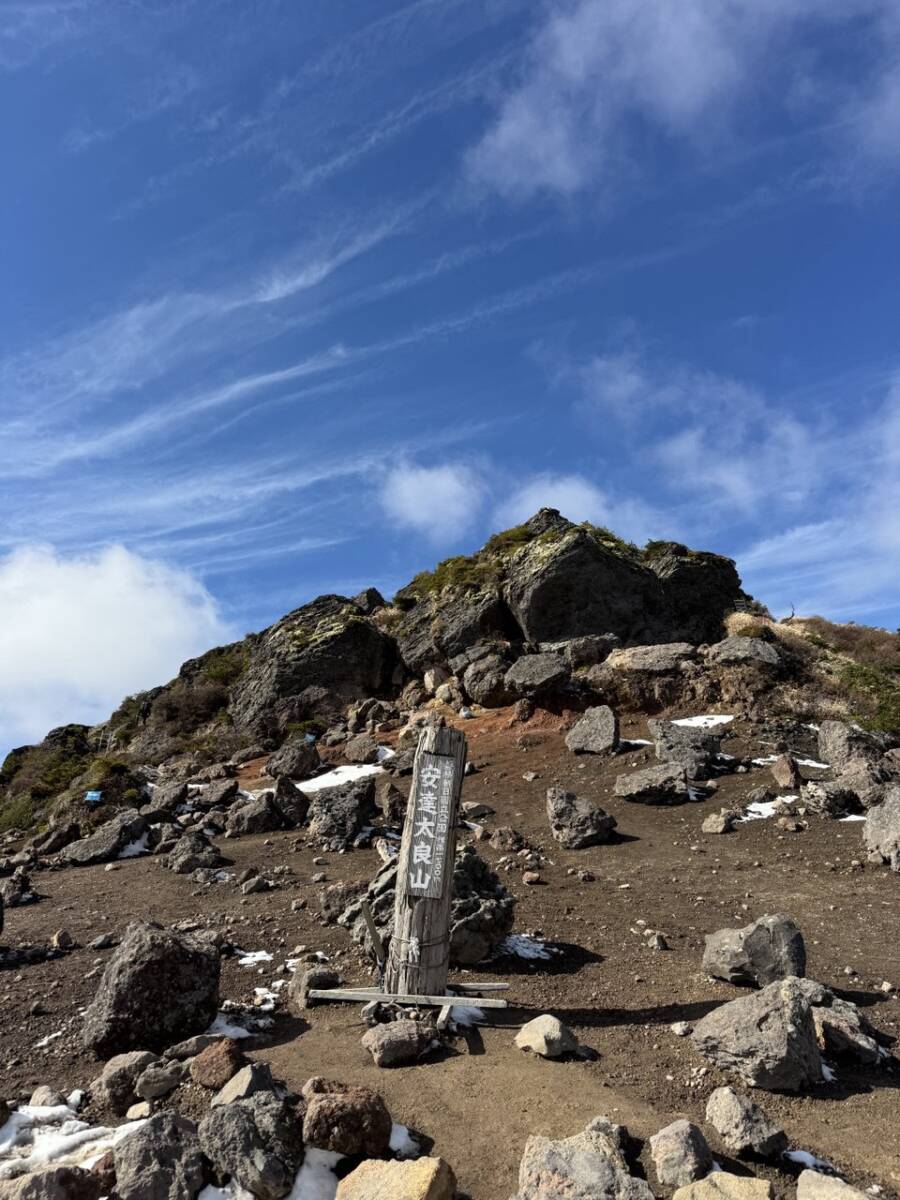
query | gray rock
(193,852)
(220,793)
(290,802)
(302,982)
(107,842)
(159,1080)
(813,1185)
(249,1081)
(57,837)
(53,1183)
(652,660)
(576,823)
(337,814)
(662,784)
(360,749)
(685,745)
(298,758)
(768,1039)
(680,1154)
(158,988)
(258,815)
(829,798)
(843,1032)
(164,800)
(745,651)
(767,949)
(881,832)
(485,683)
(720,822)
(868,781)
(743,1126)
(398,1042)
(597,732)
(257,1141)
(117,1083)
(786,773)
(841,743)
(589,1166)
(536,675)
(584,651)
(161,1160)
(547,1036)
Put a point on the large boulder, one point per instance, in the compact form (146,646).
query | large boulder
(652,660)
(687,745)
(338,814)
(662,784)
(158,988)
(256,815)
(54,1183)
(680,1154)
(767,1039)
(535,675)
(298,758)
(108,841)
(596,732)
(745,651)
(743,1126)
(765,950)
(481,911)
(865,780)
(815,1185)
(345,1120)
(161,1160)
(589,1166)
(258,1142)
(193,851)
(722,1185)
(881,832)
(117,1082)
(829,798)
(484,682)
(577,823)
(419,1179)
(842,742)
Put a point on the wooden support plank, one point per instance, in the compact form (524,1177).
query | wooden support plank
(374,936)
(419,956)
(479,987)
(356,994)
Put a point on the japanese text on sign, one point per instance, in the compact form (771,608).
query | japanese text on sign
(431,825)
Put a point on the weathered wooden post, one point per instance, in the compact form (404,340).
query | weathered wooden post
(419,956)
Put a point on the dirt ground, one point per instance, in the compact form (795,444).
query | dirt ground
(480,1102)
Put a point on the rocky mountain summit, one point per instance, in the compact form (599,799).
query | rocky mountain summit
(678,851)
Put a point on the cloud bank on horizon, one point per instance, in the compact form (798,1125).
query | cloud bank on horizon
(297,307)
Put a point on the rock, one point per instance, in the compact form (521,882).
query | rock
(398,1042)
(298,758)
(161,1160)
(421,1179)
(535,675)
(346,1120)
(881,832)
(680,1154)
(139,1111)
(867,780)
(258,815)
(745,651)
(361,749)
(53,1183)
(214,1066)
(765,950)
(107,842)
(841,743)
(117,1083)
(689,747)
(768,1039)
(584,651)
(257,1141)
(652,660)
(158,1080)
(786,773)
(662,784)
(157,988)
(220,793)
(577,823)
(484,682)
(248,1081)
(589,1166)
(290,802)
(45,1097)
(813,1185)
(192,1046)
(829,798)
(390,801)
(722,1185)
(301,982)
(597,732)
(164,800)
(843,1032)
(193,852)
(337,814)
(743,1126)
(547,1036)
(57,838)
(720,822)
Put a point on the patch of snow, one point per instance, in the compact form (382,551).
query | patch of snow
(229,1191)
(761,810)
(37,1135)
(522,945)
(222,1027)
(266,999)
(250,958)
(316,1179)
(467,1015)
(828,1073)
(810,725)
(629,743)
(385,752)
(811,762)
(403,1144)
(45,1041)
(75,1099)
(135,849)
(805,1159)
(338,776)
(706,721)
(853,817)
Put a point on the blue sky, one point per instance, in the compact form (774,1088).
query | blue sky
(302,298)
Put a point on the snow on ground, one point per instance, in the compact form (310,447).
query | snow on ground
(631,743)
(338,776)
(223,1027)
(466,1015)
(316,1179)
(705,721)
(523,945)
(230,1191)
(136,848)
(37,1135)
(804,1159)
(385,752)
(45,1041)
(403,1144)
(761,810)
(801,762)
(250,958)
(853,817)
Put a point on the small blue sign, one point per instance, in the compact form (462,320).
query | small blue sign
(93,797)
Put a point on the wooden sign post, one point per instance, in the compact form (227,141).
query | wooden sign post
(419,957)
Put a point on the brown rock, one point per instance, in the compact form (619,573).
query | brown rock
(786,773)
(347,1120)
(721,1185)
(423,1179)
(214,1066)
(57,1183)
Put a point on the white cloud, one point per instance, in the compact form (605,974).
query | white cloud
(579,500)
(605,78)
(440,502)
(78,634)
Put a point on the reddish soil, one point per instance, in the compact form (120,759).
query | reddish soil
(481,1102)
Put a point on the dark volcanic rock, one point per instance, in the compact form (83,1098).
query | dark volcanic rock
(576,823)
(768,949)
(746,651)
(160,1161)
(297,759)
(257,1141)
(337,814)
(485,683)
(347,1120)
(536,675)
(192,851)
(108,841)
(690,747)
(258,815)
(158,988)
(662,784)
(597,732)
